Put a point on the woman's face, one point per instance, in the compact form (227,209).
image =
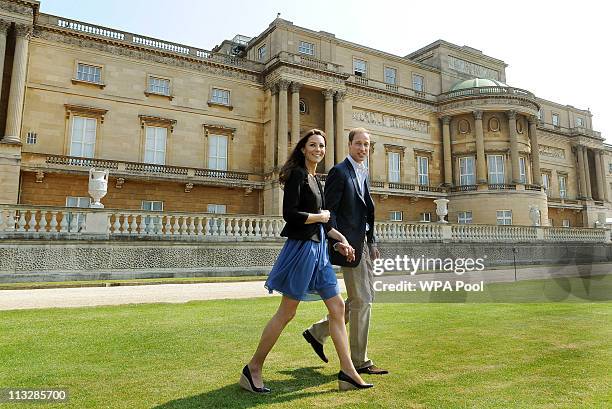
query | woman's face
(314,150)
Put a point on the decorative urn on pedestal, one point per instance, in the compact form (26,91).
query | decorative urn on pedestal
(441,209)
(98,186)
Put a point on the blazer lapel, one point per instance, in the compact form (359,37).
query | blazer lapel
(353,176)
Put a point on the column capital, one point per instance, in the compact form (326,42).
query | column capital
(446,120)
(4,26)
(24,30)
(339,96)
(477,115)
(511,115)
(283,85)
(295,86)
(533,120)
(328,93)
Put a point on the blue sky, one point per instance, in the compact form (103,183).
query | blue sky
(556,49)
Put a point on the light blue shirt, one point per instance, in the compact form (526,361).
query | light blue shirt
(362,174)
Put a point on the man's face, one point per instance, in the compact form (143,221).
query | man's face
(360,147)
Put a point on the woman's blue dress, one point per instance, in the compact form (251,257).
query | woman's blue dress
(303,271)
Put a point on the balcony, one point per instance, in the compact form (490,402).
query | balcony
(308,61)
(72,164)
(502,186)
(464,188)
(392,88)
(485,92)
(135,40)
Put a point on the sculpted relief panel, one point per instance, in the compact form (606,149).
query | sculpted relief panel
(390,121)
(551,152)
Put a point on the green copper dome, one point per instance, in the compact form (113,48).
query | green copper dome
(477,83)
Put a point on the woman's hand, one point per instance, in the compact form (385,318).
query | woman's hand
(346,250)
(324,216)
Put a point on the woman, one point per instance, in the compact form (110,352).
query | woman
(302,270)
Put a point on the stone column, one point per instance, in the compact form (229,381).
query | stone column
(4,26)
(535,151)
(446,144)
(18,78)
(283,86)
(581,175)
(599,175)
(587,172)
(271,142)
(295,113)
(341,138)
(330,160)
(514,153)
(481,166)
(603,175)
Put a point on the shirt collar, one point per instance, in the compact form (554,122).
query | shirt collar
(359,167)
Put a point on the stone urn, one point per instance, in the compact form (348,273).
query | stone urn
(441,209)
(534,215)
(98,186)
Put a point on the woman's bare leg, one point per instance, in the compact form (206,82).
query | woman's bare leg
(337,331)
(284,314)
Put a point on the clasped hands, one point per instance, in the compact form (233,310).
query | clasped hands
(342,247)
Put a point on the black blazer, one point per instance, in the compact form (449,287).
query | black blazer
(349,211)
(298,201)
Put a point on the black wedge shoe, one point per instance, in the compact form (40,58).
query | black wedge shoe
(316,345)
(246,382)
(346,383)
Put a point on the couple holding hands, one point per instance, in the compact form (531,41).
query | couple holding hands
(303,270)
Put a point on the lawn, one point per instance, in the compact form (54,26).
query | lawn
(171,356)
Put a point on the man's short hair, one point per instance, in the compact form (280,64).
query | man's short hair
(356,131)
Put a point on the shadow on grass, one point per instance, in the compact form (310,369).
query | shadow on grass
(233,396)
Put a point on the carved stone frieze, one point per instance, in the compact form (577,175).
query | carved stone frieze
(390,121)
(357,91)
(16,8)
(551,152)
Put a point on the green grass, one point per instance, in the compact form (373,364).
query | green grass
(170,356)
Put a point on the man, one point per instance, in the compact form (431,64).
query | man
(347,197)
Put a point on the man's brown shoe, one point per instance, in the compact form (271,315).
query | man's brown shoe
(372,370)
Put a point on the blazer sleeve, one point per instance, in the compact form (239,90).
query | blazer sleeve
(334,189)
(291,198)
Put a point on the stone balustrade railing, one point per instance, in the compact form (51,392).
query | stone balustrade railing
(398,89)
(45,222)
(308,61)
(136,40)
(486,91)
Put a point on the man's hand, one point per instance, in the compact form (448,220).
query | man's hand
(374,253)
(346,250)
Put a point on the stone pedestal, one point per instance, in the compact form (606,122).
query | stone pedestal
(273,199)
(10,164)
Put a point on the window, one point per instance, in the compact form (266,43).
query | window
(394,167)
(464,217)
(565,223)
(220,96)
(217,152)
(610,168)
(579,122)
(155,145)
(425,217)
(546,183)
(152,206)
(159,86)
(504,217)
(390,76)
(522,170)
(466,171)
(261,53)
(541,114)
(418,82)
(216,208)
(423,170)
(360,67)
(81,202)
(396,216)
(83,137)
(89,73)
(555,119)
(496,169)
(31,138)
(306,48)
(562,187)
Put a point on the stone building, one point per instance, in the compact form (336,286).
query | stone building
(193,130)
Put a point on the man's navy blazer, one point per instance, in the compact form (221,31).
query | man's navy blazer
(349,210)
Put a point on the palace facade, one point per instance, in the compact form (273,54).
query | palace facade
(186,129)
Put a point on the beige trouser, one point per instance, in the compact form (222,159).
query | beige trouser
(359,282)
